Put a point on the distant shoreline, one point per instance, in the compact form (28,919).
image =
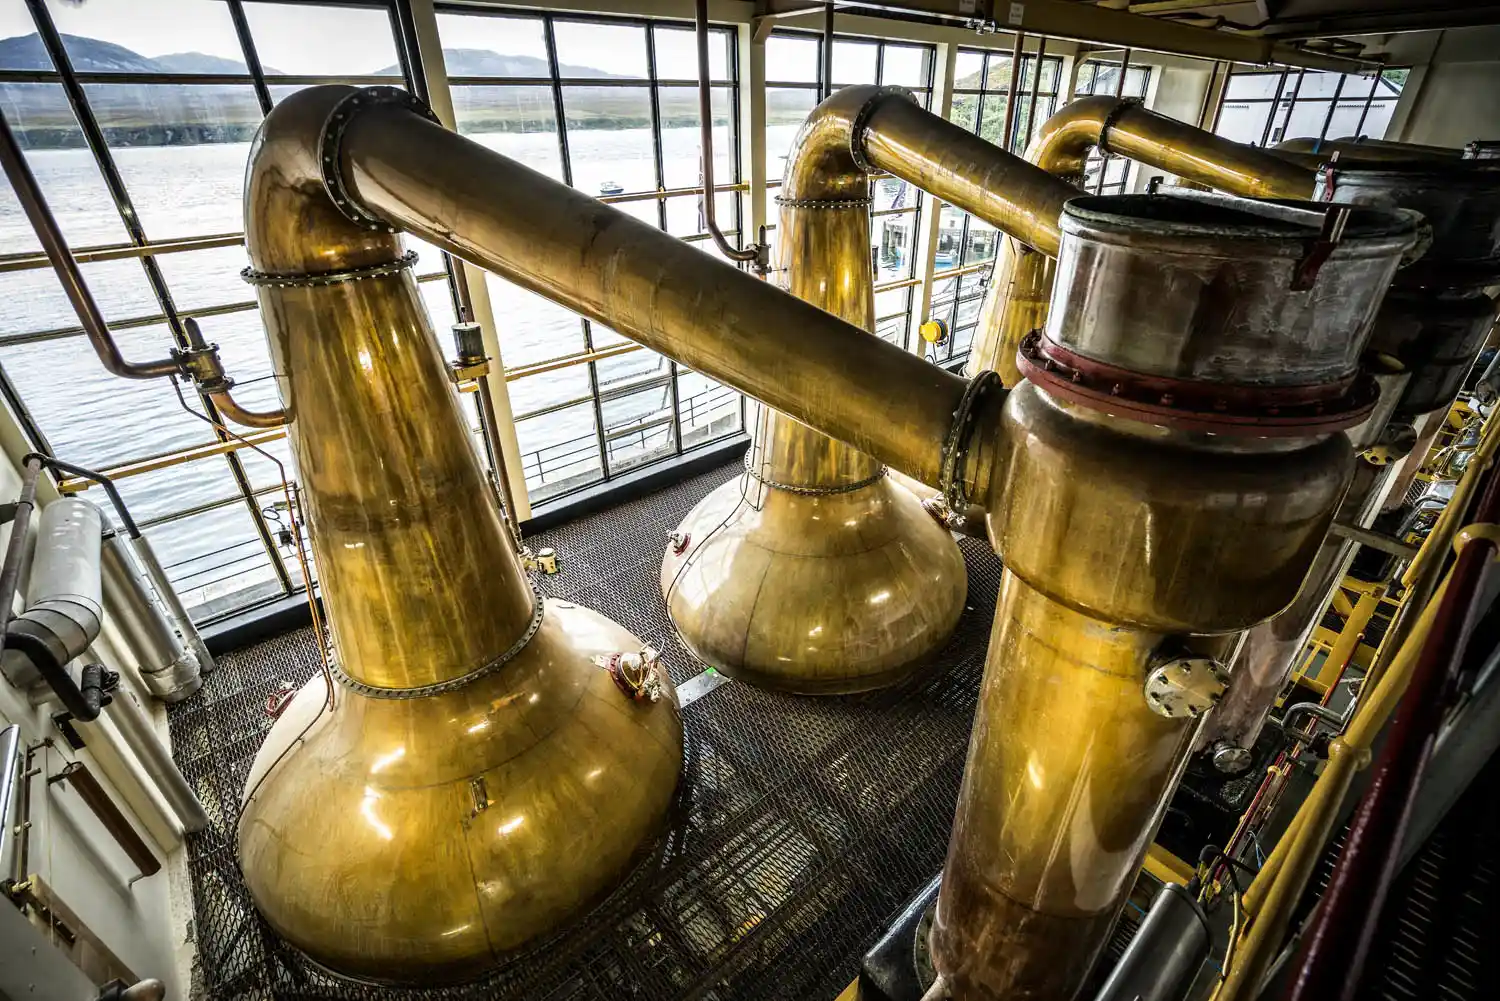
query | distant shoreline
(67,136)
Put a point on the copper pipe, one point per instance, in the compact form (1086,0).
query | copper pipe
(649,286)
(202,360)
(846,616)
(706,140)
(29,193)
(953,164)
(1126,128)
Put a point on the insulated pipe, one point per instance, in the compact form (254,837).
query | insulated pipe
(168,666)
(651,287)
(140,736)
(64,607)
(156,579)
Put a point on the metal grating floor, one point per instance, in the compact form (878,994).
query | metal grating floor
(802,825)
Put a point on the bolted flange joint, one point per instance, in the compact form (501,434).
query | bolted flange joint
(1185,687)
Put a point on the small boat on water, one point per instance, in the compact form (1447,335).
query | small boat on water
(611,188)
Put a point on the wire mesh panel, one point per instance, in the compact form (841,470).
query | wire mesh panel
(802,825)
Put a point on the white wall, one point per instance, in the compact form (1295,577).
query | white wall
(144,923)
(1453,94)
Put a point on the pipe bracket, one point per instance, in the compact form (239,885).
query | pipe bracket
(956,445)
(331,141)
(1123,105)
(538,609)
(862,118)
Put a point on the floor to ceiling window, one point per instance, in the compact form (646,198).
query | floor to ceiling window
(794,70)
(610,106)
(966,246)
(1105,174)
(1265,107)
(143,163)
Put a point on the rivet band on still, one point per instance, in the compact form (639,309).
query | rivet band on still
(842,488)
(956,445)
(402,263)
(538,609)
(823,203)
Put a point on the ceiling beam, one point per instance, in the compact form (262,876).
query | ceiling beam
(1087,23)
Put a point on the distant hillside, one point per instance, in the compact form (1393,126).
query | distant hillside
(483,62)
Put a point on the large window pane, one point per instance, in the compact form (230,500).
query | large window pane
(162,36)
(892,239)
(200,279)
(609,139)
(65,171)
(94,418)
(680,140)
(519,121)
(685,214)
(215,559)
(792,59)
(677,54)
(532,329)
(181,151)
(708,409)
(855,62)
(1252,85)
(35,301)
(495,46)
(786,110)
(308,40)
(559,451)
(906,66)
(591,49)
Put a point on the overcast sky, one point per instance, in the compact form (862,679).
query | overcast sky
(301,39)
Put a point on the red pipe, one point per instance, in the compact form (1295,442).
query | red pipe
(1334,952)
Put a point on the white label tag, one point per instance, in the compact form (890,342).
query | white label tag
(1017,12)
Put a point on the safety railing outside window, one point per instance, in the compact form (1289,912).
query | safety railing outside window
(794,80)
(966,246)
(610,106)
(1264,107)
(136,119)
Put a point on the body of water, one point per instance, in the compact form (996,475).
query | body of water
(92,418)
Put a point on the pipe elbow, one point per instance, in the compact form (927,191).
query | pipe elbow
(827,161)
(292,224)
(1069,134)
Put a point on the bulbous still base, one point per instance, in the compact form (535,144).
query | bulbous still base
(420,840)
(813,593)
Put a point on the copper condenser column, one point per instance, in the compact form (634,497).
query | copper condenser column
(1175,458)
